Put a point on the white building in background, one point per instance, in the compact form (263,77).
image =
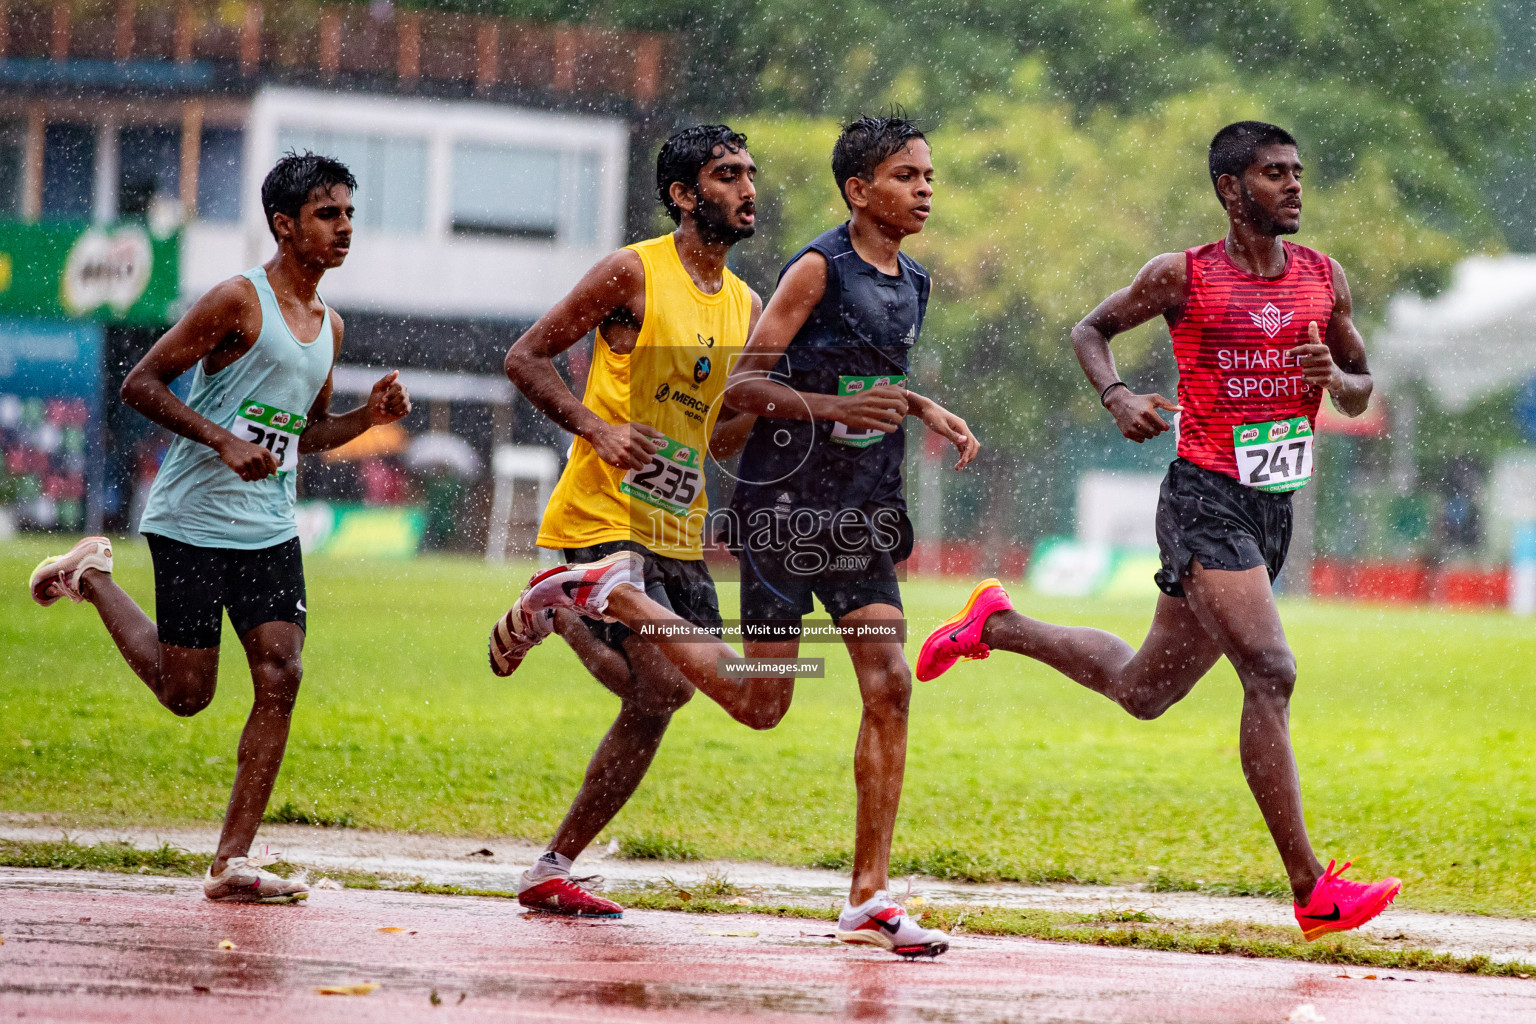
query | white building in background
(466,210)
(492,156)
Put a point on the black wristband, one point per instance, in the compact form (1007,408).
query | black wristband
(1116,384)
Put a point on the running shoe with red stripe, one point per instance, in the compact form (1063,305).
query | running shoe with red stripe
(885,923)
(960,635)
(569,896)
(243,880)
(584,587)
(515,634)
(1338,905)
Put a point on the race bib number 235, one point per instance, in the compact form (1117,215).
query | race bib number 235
(671,482)
(1275,456)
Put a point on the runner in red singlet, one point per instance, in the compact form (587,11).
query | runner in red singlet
(1261,327)
(1232,339)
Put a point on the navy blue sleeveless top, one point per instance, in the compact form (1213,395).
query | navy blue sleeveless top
(862,331)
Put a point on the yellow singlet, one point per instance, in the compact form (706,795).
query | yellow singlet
(672,380)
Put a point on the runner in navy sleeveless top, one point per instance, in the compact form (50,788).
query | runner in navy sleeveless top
(861,331)
(1260,329)
(818,503)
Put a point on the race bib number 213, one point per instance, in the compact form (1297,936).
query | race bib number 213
(1275,456)
(275,430)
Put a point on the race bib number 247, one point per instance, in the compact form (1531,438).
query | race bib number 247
(1274,456)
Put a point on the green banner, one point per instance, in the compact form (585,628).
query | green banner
(360,531)
(117,273)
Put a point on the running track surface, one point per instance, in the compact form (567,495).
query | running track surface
(90,947)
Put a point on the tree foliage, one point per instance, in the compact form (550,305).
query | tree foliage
(1458,68)
(1039,214)
(1070,140)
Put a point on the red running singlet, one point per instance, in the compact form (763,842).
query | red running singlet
(1230,341)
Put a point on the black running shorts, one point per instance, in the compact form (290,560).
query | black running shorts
(1208,517)
(844,570)
(685,587)
(194,586)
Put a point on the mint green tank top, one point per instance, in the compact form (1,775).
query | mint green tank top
(263,397)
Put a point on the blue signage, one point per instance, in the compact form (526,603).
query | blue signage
(1525,409)
(51,460)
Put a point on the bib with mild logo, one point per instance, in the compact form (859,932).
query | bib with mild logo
(1274,456)
(271,428)
(842,433)
(671,482)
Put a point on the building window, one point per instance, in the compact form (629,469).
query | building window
(584,188)
(391,174)
(69,171)
(149,169)
(13,147)
(220,164)
(506,192)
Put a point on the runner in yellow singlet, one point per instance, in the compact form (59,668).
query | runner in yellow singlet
(669,316)
(668,379)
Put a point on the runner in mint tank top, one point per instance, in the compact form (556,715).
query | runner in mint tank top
(219,520)
(1261,328)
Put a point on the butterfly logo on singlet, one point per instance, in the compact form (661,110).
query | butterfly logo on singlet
(1270,320)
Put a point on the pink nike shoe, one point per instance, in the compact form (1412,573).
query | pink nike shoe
(960,635)
(1338,906)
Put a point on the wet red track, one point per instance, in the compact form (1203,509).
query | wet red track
(88,947)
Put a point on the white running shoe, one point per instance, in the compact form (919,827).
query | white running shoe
(59,575)
(883,922)
(244,881)
(515,634)
(584,587)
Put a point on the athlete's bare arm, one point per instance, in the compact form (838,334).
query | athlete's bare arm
(732,426)
(387,402)
(612,296)
(1337,363)
(946,424)
(752,389)
(218,329)
(1159,288)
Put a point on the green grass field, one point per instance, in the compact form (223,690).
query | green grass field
(1414,730)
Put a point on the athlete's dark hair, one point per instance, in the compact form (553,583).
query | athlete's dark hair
(684,155)
(865,144)
(1236,147)
(294,179)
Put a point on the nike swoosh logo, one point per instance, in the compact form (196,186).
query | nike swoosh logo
(889,926)
(954,637)
(1325,917)
(571,586)
(302,608)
